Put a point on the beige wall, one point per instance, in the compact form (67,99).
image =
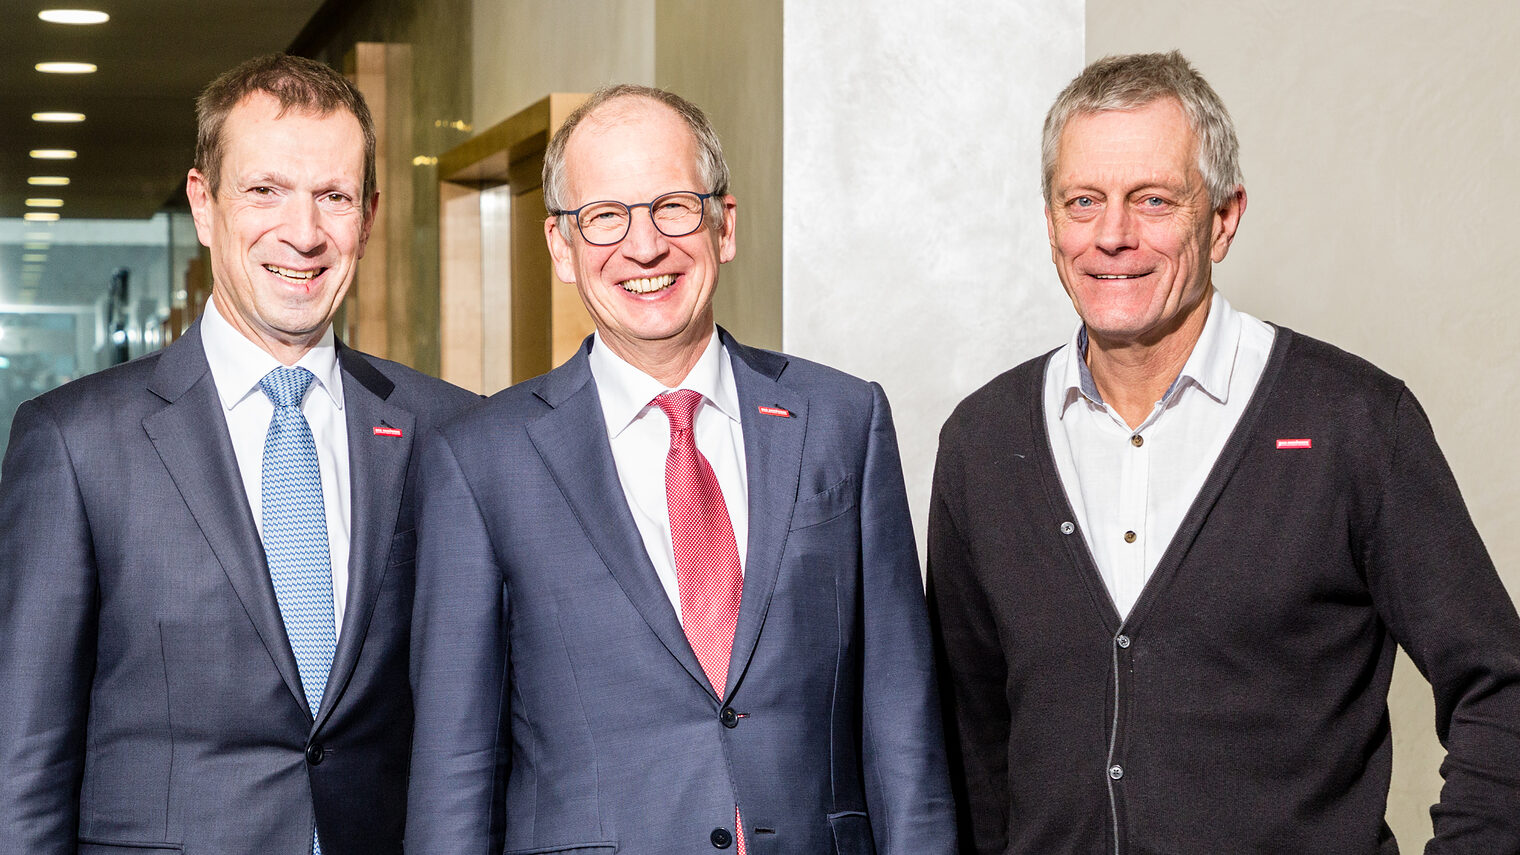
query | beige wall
(522,51)
(1378,143)
(725,55)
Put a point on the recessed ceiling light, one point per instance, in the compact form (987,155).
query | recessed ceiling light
(54,154)
(33,257)
(48,181)
(40,216)
(44,203)
(73,16)
(65,67)
(57,117)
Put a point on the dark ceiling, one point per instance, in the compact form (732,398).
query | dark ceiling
(138,136)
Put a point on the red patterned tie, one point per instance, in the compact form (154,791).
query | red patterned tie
(707,557)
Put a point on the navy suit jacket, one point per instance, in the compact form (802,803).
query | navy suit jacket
(149,699)
(559,705)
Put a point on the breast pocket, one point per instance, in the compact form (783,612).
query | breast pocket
(826,505)
(570,849)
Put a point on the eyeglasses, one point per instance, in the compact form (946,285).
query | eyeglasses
(606,223)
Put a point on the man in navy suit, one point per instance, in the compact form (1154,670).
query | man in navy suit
(596,669)
(206,581)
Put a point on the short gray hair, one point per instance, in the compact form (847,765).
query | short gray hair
(712,169)
(1135,80)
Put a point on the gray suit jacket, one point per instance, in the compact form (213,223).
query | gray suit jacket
(559,705)
(149,699)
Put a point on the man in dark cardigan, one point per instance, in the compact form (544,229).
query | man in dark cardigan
(1170,562)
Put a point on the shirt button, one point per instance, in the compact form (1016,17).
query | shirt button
(1116,771)
(729,717)
(1129,537)
(1122,641)
(721,838)
(1137,440)
(314,754)
(1067,528)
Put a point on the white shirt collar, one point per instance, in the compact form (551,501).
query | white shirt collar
(237,364)
(1208,367)
(626,391)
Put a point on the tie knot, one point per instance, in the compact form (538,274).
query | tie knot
(287,386)
(680,407)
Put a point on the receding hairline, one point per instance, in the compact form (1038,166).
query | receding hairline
(622,111)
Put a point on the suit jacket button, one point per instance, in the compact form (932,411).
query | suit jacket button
(314,754)
(721,838)
(729,717)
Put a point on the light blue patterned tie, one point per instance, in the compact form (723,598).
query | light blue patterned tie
(295,535)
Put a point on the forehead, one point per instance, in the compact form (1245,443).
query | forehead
(631,149)
(1153,141)
(259,131)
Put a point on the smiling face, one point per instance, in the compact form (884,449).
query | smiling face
(650,295)
(1132,233)
(289,223)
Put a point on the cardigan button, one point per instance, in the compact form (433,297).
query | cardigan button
(1122,641)
(1067,528)
(1116,771)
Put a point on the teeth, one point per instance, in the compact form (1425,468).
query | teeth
(649,285)
(298,275)
(1111,276)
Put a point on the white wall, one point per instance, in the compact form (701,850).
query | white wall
(914,247)
(1378,143)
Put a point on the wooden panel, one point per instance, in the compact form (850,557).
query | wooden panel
(460,309)
(530,320)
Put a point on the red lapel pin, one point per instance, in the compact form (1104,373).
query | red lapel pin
(776,411)
(385,430)
(1295,443)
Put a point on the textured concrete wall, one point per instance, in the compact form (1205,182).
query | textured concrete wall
(914,240)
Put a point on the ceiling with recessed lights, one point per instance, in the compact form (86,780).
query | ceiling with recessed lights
(137,137)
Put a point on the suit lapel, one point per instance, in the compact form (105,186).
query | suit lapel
(773,460)
(572,440)
(190,435)
(377,466)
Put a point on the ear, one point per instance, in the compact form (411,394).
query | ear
(727,247)
(1226,221)
(560,250)
(371,207)
(201,201)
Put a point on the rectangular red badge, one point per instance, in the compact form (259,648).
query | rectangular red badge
(1295,443)
(381,430)
(776,411)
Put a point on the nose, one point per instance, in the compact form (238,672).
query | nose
(1116,229)
(302,226)
(644,243)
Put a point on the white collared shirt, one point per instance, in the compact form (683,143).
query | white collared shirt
(1130,488)
(237,366)
(640,438)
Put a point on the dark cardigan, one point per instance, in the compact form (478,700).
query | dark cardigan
(1242,705)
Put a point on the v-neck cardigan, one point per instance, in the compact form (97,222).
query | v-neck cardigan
(1242,705)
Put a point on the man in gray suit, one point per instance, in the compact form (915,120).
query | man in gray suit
(596,670)
(206,581)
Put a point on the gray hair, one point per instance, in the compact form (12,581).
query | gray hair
(712,169)
(1136,80)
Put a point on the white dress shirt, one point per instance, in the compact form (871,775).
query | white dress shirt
(1130,488)
(640,438)
(237,366)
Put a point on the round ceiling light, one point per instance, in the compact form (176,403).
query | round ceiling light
(53,154)
(40,216)
(65,67)
(44,203)
(48,181)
